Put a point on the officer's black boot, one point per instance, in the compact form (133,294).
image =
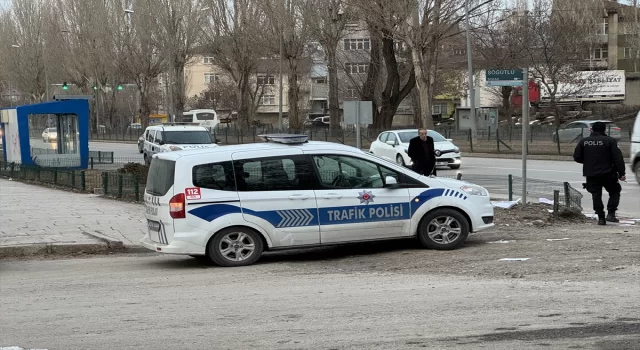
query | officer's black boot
(601,219)
(611,217)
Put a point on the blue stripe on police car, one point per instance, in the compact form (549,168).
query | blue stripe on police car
(331,215)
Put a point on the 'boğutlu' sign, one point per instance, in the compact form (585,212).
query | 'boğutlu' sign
(504,77)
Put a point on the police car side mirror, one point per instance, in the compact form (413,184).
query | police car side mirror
(391,182)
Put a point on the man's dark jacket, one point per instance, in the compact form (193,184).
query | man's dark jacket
(599,155)
(423,163)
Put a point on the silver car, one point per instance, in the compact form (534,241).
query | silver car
(49,135)
(578,129)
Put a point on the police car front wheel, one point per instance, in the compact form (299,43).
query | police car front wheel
(236,246)
(443,229)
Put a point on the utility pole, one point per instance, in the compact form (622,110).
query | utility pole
(525,127)
(472,97)
(280,126)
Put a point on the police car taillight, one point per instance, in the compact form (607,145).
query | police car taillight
(176,206)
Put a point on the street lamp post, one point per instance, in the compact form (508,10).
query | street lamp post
(472,97)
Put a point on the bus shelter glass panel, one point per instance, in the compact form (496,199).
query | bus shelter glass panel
(66,152)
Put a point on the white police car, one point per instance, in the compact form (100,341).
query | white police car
(170,137)
(232,203)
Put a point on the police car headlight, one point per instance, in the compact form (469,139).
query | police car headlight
(175,148)
(474,190)
(456,150)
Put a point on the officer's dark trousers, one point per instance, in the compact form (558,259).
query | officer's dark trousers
(611,184)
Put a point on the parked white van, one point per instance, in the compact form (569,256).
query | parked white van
(635,148)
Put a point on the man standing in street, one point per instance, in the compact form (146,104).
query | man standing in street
(602,165)
(422,153)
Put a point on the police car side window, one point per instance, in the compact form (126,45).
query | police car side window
(273,174)
(158,137)
(215,176)
(383,137)
(150,134)
(347,172)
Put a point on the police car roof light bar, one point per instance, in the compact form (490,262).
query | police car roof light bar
(288,139)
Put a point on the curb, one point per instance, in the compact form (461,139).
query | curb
(110,242)
(53,249)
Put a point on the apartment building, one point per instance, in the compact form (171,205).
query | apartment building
(206,80)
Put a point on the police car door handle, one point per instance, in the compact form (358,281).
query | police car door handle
(332,196)
(298,196)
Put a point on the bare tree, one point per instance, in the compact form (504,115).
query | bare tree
(85,52)
(557,38)
(233,40)
(386,84)
(138,51)
(23,47)
(327,20)
(179,29)
(496,45)
(287,22)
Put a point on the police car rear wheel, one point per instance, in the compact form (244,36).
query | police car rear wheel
(443,229)
(235,247)
(636,170)
(400,160)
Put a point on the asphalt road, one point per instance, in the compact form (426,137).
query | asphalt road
(537,169)
(163,302)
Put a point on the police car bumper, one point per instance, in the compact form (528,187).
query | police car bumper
(175,247)
(483,218)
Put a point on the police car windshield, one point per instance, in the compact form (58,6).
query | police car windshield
(406,136)
(187,137)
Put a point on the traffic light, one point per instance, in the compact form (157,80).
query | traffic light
(65,86)
(119,87)
(95,87)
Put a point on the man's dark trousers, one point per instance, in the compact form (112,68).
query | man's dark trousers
(611,185)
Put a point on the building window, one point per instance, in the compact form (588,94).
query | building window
(320,80)
(628,52)
(601,54)
(603,28)
(357,44)
(268,100)
(208,60)
(439,109)
(356,68)
(266,80)
(399,46)
(210,78)
(351,93)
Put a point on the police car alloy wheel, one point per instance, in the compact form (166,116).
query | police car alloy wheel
(235,246)
(443,229)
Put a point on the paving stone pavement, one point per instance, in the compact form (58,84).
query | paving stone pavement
(31,214)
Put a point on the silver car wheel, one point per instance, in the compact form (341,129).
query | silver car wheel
(236,246)
(444,229)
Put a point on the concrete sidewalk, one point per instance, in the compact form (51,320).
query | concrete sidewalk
(35,220)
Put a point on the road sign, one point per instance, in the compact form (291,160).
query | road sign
(358,111)
(504,77)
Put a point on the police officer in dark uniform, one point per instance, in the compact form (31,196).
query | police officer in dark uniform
(602,165)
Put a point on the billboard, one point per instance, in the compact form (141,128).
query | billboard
(590,85)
